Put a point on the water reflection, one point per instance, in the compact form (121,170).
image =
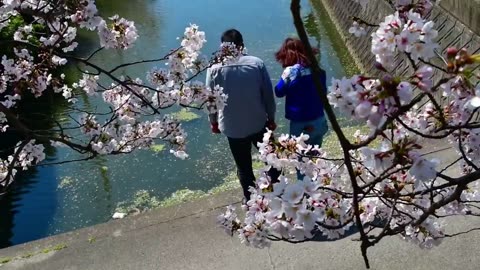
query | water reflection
(21,220)
(51,200)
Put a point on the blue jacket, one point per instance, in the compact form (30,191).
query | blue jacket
(302,100)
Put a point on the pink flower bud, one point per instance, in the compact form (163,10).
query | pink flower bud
(451,52)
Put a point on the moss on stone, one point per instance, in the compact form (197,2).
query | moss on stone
(5,260)
(59,247)
(26,256)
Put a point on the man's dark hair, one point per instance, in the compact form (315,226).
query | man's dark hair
(233,36)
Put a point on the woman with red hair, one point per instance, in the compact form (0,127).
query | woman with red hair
(303,106)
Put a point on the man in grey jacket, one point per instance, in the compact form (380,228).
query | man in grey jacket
(250,108)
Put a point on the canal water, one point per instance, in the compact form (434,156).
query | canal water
(49,200)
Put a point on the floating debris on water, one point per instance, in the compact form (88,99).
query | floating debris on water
(118,215)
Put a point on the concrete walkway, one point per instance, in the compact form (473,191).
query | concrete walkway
(186,237)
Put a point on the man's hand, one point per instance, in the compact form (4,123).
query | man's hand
(215,129)
(271,125)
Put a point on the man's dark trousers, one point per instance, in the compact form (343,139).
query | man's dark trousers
(242,153)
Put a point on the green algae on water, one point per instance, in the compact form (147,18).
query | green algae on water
(157,148)
(185,115)
(183,195)
(66,181)
(142,201)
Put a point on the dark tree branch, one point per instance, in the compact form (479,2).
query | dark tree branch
(143,61)
(346,145)
(362,21)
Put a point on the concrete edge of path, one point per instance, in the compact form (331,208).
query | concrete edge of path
(113,228)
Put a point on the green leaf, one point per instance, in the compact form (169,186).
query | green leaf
(475,58)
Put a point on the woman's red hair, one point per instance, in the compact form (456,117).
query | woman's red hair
(293,52)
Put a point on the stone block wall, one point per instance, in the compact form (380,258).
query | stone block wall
(452,29)
(466,11)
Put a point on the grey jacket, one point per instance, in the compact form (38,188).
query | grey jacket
(250,100)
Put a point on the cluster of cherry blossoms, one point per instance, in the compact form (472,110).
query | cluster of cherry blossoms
(120,33)
(404,31)
(3,121)
(290,209)
(387,183)
(357,29)
(407,33)
(27,154)
(322,202)
(373,100)
(173,85)
(135,119)
(33,73)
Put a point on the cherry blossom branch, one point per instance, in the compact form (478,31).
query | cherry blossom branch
(295,9)
(43,164)
(424,135)
(144,61)
(462,151)
(117,80)
(13,162)
(362,21)
(429,63)
(461,233)
(94,53)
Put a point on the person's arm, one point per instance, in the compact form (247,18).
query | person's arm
(267,93)
(281,88)
(212,117)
